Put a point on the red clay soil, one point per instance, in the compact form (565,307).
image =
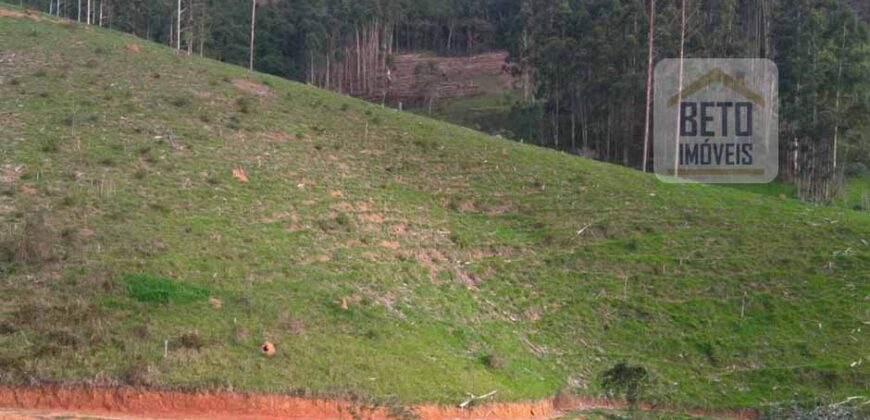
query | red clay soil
(53,401)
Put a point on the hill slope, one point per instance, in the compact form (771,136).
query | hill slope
(164,216)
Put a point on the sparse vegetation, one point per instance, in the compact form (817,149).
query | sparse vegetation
(34,244)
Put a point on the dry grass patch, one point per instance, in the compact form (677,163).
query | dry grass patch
(10,174)
(252,87)
(278,136)
(29,14)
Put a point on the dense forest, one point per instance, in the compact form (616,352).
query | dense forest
(584,65)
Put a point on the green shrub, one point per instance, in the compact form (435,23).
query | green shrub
(180,102)
(625,380)
(245,105)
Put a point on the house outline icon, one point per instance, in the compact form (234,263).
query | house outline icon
(736,84)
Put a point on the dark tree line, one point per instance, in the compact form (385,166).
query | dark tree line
(583,64)
(589,63)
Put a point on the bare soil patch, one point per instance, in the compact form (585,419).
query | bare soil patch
(278,136)
(10,174)
(459,76)
(372,218)
(240,174)
(131,403)
(252,87)
(16,14)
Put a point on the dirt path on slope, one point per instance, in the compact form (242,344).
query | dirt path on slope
(129,403)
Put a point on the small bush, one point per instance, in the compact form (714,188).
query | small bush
(65,338)
(625,380)
(36,242)
(235,123)
(180,102)
(138,373)
(341,222)
(245,105)
(460,240)
(492,361)
(50,145)
(7,327)
(148,288)
(343,219)
(191,340)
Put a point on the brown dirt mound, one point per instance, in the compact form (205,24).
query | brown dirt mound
(132,403)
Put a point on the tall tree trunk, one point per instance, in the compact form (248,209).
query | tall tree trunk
(680,86)
(178,28)
(253,27)
(573,120)
(837,100)
(649,80)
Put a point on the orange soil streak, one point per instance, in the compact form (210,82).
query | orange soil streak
(132,403)
(226,405)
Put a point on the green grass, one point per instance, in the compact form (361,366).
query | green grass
(855,194)
(450,249)
(151,289)
(489,110)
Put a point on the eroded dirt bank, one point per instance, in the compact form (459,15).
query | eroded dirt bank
(130,403)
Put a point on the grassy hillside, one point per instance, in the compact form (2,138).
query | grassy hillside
(163,216)
(855,194)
